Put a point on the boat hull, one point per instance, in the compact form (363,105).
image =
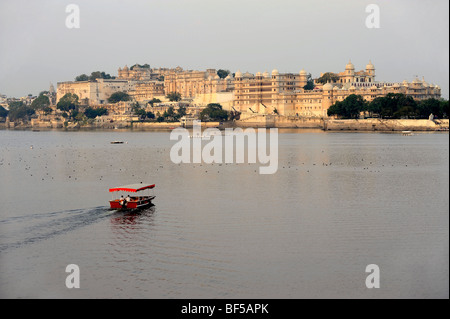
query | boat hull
(134,204)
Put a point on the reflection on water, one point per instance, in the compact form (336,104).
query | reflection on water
(339,202)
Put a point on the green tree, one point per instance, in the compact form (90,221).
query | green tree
(174,96)
(150,115)
(19,111)
(181,111)
(406,107)
(82,77)
(3,112)
(48,110)
(40,103)
(145,66)
(223,73)
(99,75)
(350,108)
(169,115)
(444,108)
(328,77)
(68,102)
(118,97)
(92,113)
(430,106)
(376,105)
(309,82)
(213,112)
(153,101)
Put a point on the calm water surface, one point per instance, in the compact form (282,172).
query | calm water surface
(339,202)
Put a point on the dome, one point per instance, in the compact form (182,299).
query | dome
(370,66)
(258,74)
(416,81)
(396,85)
(238,74)
(248,75)
(275,72)
(302,72)
(335,88)
(327,87)
(217,77)
(125,68)
(266,74)
(374,87)
(349,66)
(405,83)
(352,88)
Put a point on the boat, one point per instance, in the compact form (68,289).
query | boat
(407,133)
(117,142)
(132,202)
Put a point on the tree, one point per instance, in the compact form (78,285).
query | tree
(350,108)
(444,108)
(328,77)
(92,113)
(40,103)
(68,102)
(153,101)
(174,96)
(223,73)
(376,105)
(19,111)
(150,115)
(406,107)
(169,115)
(48,110)
(82,77)
(214,112)
(430,106)
(118,97)
(181,111)
(145,66)
(3,112)
(309,83)
(99,75)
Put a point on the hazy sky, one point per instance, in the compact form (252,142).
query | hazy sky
(37,48)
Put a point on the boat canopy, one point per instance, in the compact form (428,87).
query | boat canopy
(133,188)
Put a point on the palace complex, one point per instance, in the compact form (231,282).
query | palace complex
(260,93)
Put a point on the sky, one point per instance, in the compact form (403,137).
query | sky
(37,48)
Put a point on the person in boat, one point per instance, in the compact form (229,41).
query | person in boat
(128,198)
(122,201)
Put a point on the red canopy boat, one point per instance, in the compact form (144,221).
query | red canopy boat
(132,202)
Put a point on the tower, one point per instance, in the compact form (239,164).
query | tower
(303,79)
(349,72)
(370,70)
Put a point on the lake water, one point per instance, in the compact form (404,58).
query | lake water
(339,202)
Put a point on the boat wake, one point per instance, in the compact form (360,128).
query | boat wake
(18,231)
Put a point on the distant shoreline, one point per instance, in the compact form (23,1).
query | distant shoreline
(260,121)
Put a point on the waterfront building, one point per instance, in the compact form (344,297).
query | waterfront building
(147,90)
(93,92)
(191,83)
(284,94)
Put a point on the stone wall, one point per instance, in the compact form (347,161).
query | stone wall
(385,125)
